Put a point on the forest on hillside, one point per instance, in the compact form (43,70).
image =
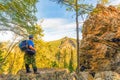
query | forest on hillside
(55,54)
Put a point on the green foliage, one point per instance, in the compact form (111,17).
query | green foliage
(71,69)
(18,16)
(58,56)
(54,64)
(85,9)
(1,60)
(95,11)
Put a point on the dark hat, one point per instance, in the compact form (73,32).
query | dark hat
(30,36)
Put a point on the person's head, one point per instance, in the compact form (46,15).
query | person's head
(31,37)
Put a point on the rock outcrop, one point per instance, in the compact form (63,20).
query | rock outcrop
(98,52)
(45,74)
(53,74)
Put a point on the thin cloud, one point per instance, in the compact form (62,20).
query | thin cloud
(56,22)
(115,2)
(6,36)
(56,28)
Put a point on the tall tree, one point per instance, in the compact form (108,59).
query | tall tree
(80,10)
(77,30)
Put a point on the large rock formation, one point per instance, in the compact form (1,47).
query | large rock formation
(97,50)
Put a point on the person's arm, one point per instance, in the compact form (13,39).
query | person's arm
(32,48)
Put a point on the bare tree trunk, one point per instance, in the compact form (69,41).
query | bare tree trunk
(77,31)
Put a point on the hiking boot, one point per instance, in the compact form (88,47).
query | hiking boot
(36,73)
(27,68)
(28,71)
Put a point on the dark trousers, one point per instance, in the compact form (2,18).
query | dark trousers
(28,68)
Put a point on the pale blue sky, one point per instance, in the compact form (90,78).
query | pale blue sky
(57,22)
(49,9)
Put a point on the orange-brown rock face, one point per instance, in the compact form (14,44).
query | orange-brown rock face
(97,51)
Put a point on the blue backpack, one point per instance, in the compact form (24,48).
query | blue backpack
(23,45)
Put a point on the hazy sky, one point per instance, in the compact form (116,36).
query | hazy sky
(57,22)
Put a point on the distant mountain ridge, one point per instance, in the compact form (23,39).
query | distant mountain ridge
(64,51)
(65,41)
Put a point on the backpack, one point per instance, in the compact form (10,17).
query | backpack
(30,52)
(23,45)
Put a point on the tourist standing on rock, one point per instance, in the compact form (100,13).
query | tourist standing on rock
(29,56)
